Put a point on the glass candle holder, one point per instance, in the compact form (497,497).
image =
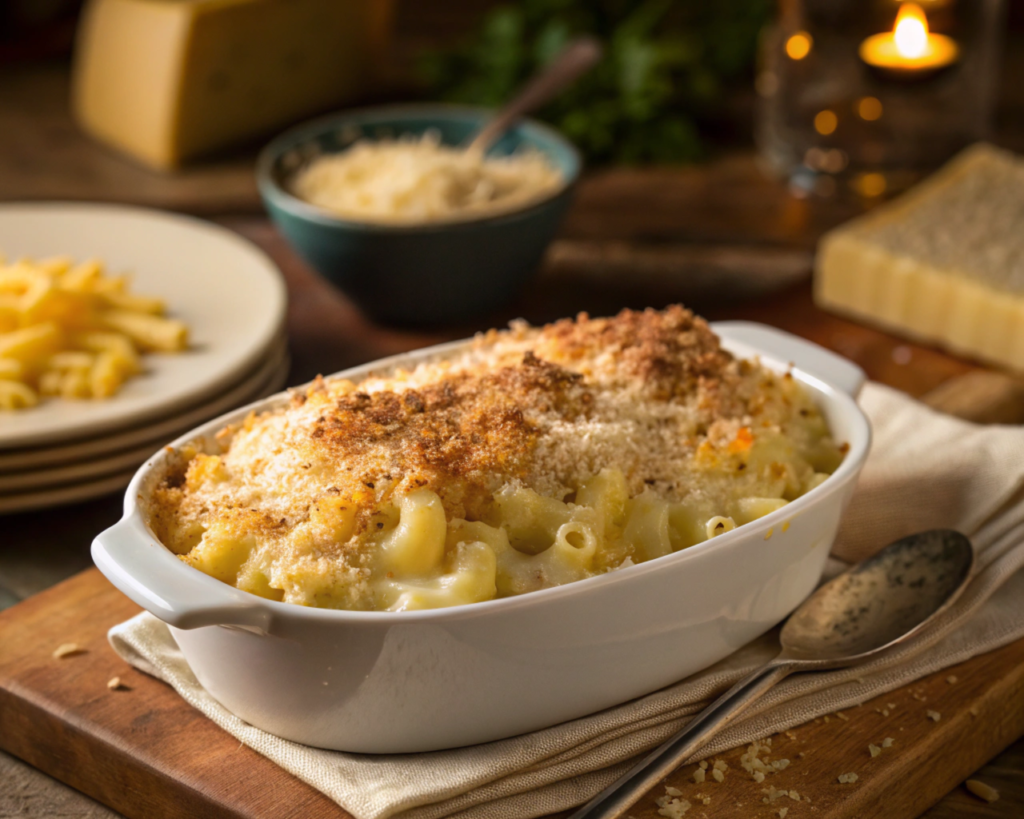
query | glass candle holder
(870,96)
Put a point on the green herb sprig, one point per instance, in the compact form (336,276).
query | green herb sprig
(667,65)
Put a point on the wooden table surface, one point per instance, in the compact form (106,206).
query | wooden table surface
(722,237)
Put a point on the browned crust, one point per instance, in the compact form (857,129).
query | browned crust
(668,351)
(465,426)
(470,432)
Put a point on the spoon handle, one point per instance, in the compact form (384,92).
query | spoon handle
(622,794)
(575,59)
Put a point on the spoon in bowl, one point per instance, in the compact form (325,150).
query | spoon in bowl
(578,57)
(868,608)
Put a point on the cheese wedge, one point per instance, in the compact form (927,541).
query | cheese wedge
(169,81)
(943,264)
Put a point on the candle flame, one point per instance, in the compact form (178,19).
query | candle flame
(911,32)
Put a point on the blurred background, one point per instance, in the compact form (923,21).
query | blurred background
(678,84)
(709,174)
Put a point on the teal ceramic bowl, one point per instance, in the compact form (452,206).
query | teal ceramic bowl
(416,274)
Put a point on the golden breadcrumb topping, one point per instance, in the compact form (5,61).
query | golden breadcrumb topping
(650,394)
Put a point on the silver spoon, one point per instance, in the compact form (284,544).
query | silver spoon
(572,62)
(868,608)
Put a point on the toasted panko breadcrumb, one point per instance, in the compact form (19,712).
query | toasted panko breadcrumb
(650,394)
(672,808)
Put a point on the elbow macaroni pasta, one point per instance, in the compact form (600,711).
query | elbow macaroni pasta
(71,331)
(557,542)
(399,518)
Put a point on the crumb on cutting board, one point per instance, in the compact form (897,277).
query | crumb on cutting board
(67,650)
(772,794)
(671,807)
(981,790)
(757,767)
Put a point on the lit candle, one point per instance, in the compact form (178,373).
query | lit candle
(909,51)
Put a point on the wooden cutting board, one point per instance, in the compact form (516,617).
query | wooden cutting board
(146,753)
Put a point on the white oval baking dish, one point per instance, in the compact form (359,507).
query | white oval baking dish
(380,682)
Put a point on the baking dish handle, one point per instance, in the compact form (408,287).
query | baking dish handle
(814,360)
(144,570)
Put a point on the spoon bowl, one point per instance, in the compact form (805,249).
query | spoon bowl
(880,601)
(868,608)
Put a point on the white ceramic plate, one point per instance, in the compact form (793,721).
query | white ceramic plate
(107,463)
(154,432)
(40,479)
(27,501)
(94,487)
(126,452)
(228,292)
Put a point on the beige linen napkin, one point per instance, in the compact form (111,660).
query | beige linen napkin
(925,471)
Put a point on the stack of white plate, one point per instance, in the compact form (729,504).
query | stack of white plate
(228,292)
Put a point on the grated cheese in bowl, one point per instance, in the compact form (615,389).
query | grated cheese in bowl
(408,181)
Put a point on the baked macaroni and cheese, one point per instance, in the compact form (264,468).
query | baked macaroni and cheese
(535,458)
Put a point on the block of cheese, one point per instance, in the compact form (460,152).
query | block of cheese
(943,264)
(169,80)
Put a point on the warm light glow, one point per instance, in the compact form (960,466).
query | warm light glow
(911,31)
(825,122)
(799,45)
(869,108)
(910,50)
(834,161)
(813,158)
(870,184)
